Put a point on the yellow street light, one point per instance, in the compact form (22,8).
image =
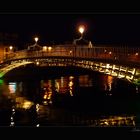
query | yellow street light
(49,48)
(81,29)
(36,39)
(44,48)
(10,47)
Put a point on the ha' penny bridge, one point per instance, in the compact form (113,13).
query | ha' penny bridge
(121,62)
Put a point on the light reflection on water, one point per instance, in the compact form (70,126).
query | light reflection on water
(108,83)
(51,102)
(12,87)
(113,121)
(85,81)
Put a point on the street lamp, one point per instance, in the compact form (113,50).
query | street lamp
(36,39)
(10,47)
(44,48)
(81,30)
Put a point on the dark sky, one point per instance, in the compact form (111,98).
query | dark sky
(60,28)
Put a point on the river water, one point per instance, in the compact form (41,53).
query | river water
(59,96)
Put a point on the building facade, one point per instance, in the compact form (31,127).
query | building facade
(8,44)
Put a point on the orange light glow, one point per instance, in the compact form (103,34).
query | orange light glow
(81,29)
(36,39)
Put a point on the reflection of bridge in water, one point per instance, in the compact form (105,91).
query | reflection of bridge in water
(117,61)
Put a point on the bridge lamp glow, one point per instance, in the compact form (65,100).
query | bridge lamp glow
(70,52)
(136,54)
(81,29)
(36,39)
(49,48)
(44,48)
(10,47)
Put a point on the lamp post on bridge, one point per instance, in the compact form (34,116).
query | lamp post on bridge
(35,50)
(36,40)
(11,48)
(81,30)
(35,46)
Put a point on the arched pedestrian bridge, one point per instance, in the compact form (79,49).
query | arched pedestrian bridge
(116,61)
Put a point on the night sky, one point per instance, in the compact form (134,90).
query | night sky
(122,29)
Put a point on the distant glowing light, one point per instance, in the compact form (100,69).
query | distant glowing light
(10,47)
(49,48)
(37,107)
(45,96)
(37,125)
(12,124)
(44,48)
(45,102)
(12,118)
(37,63)
(27,104)
(36,39)
(81,29)
(70,52)
(71,77)
(110,52)
(57,86)
(107,66)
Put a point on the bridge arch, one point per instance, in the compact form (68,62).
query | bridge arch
(113,61)
(119,71)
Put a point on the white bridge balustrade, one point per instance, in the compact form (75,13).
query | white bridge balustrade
(122,62)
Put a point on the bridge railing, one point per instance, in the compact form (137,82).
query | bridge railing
(108,53)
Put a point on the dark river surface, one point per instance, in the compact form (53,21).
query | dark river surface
(60,96)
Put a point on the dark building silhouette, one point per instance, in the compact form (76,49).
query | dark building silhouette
(8,44)
(9,38)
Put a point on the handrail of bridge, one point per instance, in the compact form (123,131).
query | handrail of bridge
(119,54)
(76,53)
